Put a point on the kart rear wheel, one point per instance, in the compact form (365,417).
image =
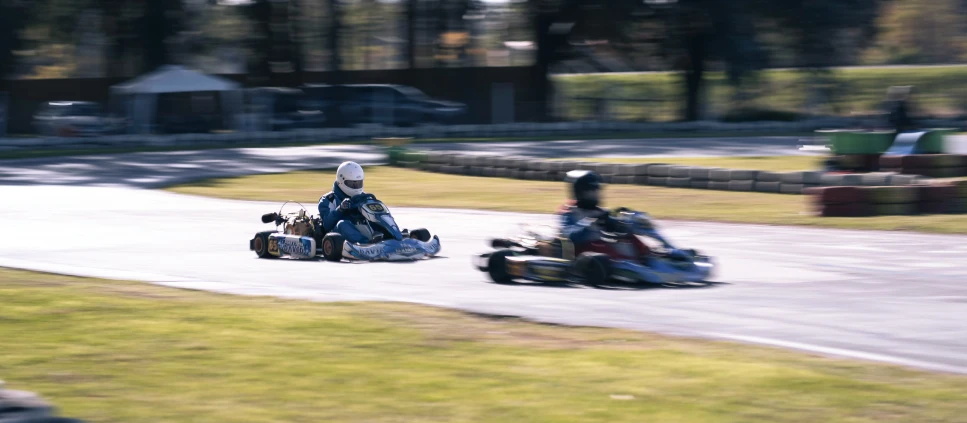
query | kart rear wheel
(595,268)
(420,234)
(332,246)
(260,244)
(497,266)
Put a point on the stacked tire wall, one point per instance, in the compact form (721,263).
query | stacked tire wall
(932,165)
(934,198)
(652,174)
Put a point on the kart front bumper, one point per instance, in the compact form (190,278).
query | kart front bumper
(392,250)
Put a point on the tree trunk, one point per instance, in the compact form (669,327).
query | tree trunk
(335,29)
(694,77)
(262,15)
(546,47)
(411,18)
(296,38)
(155,29)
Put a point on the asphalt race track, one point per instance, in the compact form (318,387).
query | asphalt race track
(887,296)
(150,170)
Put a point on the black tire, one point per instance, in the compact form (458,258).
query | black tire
(260,244)
(332,246)
(497,266)
(420,234)
(595,268)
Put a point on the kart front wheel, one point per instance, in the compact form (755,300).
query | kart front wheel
(421,234)
(595,268)
(332,246)
(260,244)
(497,266)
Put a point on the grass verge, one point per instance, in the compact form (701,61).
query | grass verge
(110,351)
(412,188)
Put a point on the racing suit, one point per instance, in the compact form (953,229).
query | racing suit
(581,227)
(334,220)
(578,225)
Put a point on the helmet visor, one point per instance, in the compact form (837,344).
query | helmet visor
(354,184)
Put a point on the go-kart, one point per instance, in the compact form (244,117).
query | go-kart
(622,255)
(302,236)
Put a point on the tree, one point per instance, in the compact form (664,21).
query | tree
(412,13)
(686,33)
(161,20)
(260,66)
(917,32)
(12,18)
(823,33)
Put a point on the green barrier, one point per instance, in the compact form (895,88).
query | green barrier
(395,155)
(932,142)
(848,142)
(414,156)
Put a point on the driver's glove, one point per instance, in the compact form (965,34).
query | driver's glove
(344,205)
(677,254)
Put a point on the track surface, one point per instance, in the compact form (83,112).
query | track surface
(150,170)
(896,297)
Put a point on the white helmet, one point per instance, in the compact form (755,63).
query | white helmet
(349,177)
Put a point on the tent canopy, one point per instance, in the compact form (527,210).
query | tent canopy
(139,96)
(174,79)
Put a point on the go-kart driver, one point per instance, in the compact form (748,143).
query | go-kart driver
(583,222)
(335,205)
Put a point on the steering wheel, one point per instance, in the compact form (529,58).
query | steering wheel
(612,226)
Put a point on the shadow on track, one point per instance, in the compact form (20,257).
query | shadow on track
(615,286)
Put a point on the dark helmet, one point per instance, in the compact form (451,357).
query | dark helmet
(585,187)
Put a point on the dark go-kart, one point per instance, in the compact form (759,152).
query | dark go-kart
(300,235)
(631,252)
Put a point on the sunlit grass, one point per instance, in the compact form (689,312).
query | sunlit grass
(123,352)
(412,188)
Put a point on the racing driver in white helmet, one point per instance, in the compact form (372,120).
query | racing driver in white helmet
(335,205)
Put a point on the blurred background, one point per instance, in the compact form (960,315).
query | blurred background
(90,67)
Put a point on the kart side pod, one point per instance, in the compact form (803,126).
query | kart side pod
(278,245)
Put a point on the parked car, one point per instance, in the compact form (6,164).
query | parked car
(285,108)
(75,119)
(398,105)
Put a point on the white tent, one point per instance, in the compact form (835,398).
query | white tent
(140,95)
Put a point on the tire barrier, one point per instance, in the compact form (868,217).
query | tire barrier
(679,172)
(840,201)
(858,162)
(660,174)
(931,165)
(935,198)
(769,187)
(741,185)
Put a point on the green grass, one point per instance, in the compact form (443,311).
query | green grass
(109,351)
(938,90)
(406,187)
(767,163)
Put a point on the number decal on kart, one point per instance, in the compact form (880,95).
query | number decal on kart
(375,208)
(273,246)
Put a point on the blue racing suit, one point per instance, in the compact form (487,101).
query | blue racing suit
(334,220)
(577,224)
(580,226)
